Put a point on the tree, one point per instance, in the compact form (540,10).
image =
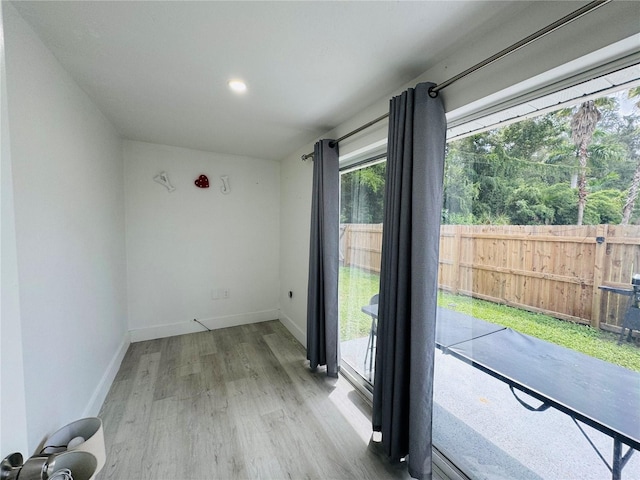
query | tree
(562,199)
(583,124)
(635,93)
(632,196)
(460,193)
(604,207)
(528,208)
(523,172)
(362,195)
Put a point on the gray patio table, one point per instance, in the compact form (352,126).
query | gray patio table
(594,392)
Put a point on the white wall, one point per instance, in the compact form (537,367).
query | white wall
(518,72)
(13,416)
(69,224)
(181,245)
(295,211)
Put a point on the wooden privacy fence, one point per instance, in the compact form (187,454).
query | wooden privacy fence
(550,269)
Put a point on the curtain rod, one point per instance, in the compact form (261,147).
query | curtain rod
(433,91)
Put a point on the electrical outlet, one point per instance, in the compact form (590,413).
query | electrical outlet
(226,293)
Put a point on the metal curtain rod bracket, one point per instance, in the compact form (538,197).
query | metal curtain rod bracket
(352,132)
(433,91)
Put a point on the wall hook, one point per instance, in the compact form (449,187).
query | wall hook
(225,188)
(163,179)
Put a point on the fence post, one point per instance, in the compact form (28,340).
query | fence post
(456,260)
(598,273)
(347,245)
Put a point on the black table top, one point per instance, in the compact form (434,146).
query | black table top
(596,392)
(371,310)
(452,327)
(622,291)
(599,393)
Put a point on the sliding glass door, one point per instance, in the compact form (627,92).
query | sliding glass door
(361,210)
(527,371)
(530,367)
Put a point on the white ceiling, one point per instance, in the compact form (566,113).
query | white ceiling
(159,70)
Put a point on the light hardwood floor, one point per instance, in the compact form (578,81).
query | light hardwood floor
(231,404)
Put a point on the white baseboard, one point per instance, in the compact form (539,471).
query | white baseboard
(174,329)
(295,330)
(101,391)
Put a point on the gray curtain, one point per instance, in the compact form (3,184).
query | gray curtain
(403,387)
(322,299)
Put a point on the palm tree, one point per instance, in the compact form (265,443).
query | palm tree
(634,92)
(583,124)
(630,203)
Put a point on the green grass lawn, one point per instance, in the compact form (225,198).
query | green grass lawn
(356,287)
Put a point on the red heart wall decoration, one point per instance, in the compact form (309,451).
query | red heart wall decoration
(202,182)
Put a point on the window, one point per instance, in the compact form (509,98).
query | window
(514,262)
(522,274)
(361,212)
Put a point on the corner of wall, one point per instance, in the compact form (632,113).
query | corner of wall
(103,387)
(295,206)
(213,323)
(231,240)
(295,330)
(89,294)
(13,417)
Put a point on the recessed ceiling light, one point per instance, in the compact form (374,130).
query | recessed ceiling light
(237,86)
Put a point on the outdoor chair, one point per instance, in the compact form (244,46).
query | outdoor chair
(373,332)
